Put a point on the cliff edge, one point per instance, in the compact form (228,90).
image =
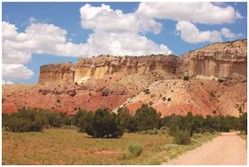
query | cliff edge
(224,61)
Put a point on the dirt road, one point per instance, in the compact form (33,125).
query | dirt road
(227,149)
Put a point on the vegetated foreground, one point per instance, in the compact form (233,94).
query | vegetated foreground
(156,139)
(72,147)
(227,149)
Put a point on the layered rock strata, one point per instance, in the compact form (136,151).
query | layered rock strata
(217,61)
(98,67)
(102,65)
(59,72)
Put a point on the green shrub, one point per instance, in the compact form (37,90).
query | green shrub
(220,80)
(243,122)
(103,124)
(169,147)
(152,132)
(199,124)
(147,118)
(147,91)
(197,135)
(143,132)
(57,119)
(127,155)
(135,149)
(5,120)
(182,137)
(81,118)
(162,131)
(126,121)
(186,78)
(25,121)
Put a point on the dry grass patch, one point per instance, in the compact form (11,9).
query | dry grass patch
(68,147)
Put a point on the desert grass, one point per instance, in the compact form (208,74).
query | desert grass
(170,151)
(69,147)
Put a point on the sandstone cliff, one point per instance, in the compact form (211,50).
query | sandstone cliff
(98,67)
(216,61)
(60,72)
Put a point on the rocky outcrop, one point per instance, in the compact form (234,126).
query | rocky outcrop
(98,67)
(59,72)
(216,61)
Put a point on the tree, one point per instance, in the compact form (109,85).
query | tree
(25,120)
(77,116)
(103,124)
(243,122)
(126,120)
(5,120)
(57,119)
(81,119)
(147,118)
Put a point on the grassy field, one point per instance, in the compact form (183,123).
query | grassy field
(69,147)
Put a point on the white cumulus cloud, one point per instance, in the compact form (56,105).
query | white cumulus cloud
(105,19)
(197,12)
(37,38)
(121,44)
(15,72)
(17,48)
(191,34)
(228,34)
(117,33)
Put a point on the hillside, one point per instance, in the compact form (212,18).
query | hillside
(217,83)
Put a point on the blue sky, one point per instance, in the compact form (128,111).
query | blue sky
(35,33)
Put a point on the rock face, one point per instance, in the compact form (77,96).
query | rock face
(217,83)
(217,61)
(100,66)
(60,72)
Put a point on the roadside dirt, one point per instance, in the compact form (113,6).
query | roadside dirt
(226,149)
